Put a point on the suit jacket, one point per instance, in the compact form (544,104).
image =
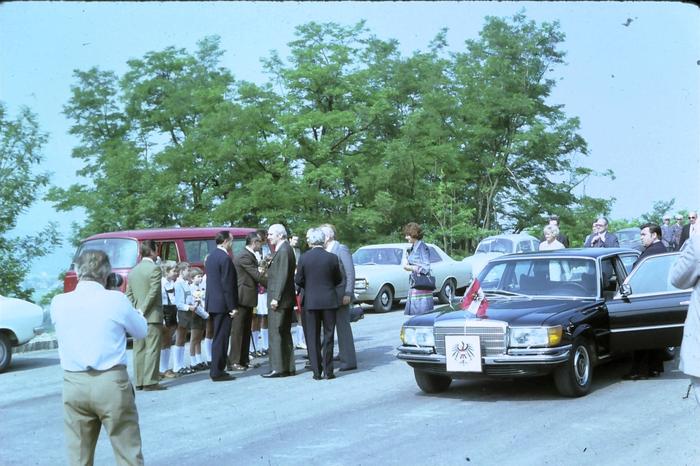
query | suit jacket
(248,278)
(685,233)
(143,290)
(653,248)
(610,241)
(319,275)
(222,283)
(280,277)
(347,285)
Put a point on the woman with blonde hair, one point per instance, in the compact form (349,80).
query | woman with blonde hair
(550,242)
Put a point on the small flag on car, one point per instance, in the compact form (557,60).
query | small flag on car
(474,300)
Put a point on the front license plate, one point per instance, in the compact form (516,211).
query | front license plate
(463,353)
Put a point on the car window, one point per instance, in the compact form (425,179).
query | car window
(651,275)
(542,277)
(524,246)
(377,256)
(628,261)
(434,256)
(502,245)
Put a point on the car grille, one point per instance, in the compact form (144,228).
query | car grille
(492,338)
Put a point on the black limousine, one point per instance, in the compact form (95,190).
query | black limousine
(552,312)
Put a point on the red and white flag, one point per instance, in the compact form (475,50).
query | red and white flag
(474,300)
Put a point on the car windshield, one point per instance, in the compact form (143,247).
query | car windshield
(501,245)
(545,276)
(122,253)
(628,236)
(376,256)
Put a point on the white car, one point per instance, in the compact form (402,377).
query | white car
(20,321)
(380,279)
(495,246)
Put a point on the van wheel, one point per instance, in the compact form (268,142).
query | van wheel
(575,377)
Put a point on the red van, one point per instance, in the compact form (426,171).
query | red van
(178,244)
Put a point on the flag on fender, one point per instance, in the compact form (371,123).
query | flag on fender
(474,300)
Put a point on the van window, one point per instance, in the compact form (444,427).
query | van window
(197,249)
(122,253)
(168,251)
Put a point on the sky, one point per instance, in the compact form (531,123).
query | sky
(632,75)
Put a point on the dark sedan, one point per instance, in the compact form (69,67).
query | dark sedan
(554,312)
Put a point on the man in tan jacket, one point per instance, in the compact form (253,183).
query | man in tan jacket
(143,290)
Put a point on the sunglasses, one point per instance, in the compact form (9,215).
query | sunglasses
(691,218)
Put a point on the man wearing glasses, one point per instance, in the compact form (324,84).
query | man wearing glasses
(676,229)
(601,238)
(689,229)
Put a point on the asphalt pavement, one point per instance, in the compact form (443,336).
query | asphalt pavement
(375,415)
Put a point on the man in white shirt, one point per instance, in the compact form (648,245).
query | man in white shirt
(91,326)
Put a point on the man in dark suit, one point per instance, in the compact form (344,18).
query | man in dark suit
(318,274)
(346,293)
(280,303)
(649,362)
(249,276)
(221,302)
(601,238)
(689,229)
(144,292)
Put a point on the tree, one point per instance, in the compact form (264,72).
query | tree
(21,142)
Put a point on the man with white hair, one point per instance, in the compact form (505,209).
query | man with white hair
(91,326)
(280,302)
(346,292)
(690,229)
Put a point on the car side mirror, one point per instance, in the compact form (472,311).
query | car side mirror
(114,281)
(625,289)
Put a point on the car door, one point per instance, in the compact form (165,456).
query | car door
(437,267)
(649,311)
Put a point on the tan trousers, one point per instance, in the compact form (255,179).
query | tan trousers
(93,399)
(147,357)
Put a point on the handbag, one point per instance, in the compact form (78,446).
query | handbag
(422,282)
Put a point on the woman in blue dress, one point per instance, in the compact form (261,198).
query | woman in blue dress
(419,301)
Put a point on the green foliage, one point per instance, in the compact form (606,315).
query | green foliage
(347,130)
(21,142)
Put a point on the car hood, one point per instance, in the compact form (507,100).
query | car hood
(515,311)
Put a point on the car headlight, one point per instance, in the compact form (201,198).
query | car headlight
(526,337)
(361,284)
(417,336)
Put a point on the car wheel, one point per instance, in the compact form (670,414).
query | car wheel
(5,352)
(384,299)
(574,379)
(447,291)
(431,383)
(668,353)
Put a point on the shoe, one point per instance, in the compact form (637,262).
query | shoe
(634,376)
(154,388)
(185,371)
(330,377)
(336,358)
(343,369)
(169,374)
(139,387)
(238,367)
(274,375)
(301,346)
(317,377)
(225,377)
(307,365)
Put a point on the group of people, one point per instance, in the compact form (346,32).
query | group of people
(671,237)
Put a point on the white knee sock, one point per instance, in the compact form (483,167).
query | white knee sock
(179,361)
(300,335)
(265,339)
(164,359)
(254,343)
(206,349)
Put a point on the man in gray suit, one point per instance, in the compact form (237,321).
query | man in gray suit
(143,290)
(280,303)
(345,291)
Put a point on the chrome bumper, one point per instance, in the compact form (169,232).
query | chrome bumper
(545,356)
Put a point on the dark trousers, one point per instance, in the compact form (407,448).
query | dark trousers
(646,361)
(240,336)
(320,351)
(346,343)
(281,350)
(219,345)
